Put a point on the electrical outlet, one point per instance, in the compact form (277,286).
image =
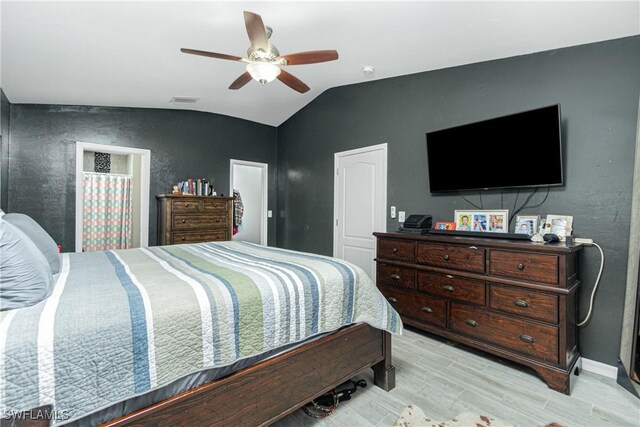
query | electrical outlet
(269,214)
(401,215)
(393,212)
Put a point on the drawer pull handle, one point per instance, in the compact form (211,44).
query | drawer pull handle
(448,288)
(526,338)
(183,238)
(395,277)
(520,266)
(394,250)
(473,247)
(427,310)
(521,303)
(217,219)
(448,276)
(446,257)
(471,323)
(184,221)
(392,299)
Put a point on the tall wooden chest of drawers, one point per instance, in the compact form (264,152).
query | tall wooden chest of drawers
(193,219)
(515,299)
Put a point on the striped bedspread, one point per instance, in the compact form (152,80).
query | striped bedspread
(122,323)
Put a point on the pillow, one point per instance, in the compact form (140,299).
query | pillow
(41,238)
(25,275)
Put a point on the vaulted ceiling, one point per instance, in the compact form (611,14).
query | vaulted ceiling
(127,53)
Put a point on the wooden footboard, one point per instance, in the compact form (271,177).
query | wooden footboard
(265,392)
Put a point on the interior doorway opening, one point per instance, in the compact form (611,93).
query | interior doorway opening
(250,181)
(119,177)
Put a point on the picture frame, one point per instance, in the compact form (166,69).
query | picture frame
(527,224)
(489,221)
(445,225)
(560,225)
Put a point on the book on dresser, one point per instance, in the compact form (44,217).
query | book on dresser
(514,299)
(194,219)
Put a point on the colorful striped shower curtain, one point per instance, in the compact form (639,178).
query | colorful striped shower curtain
(107,211)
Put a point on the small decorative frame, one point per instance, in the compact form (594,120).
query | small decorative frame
(527,224)
(496,221)
(445,225)
(560,225)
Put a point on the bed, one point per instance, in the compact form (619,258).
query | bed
(122,325)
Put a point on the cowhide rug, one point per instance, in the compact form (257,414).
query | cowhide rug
(412,416)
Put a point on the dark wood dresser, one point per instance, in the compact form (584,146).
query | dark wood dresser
(515,299)
(193,219)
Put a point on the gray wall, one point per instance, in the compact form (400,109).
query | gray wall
(4,148)
(183,144)
(597,86)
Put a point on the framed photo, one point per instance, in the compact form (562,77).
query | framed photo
(445,225)
(482,221)
(527,224)
(561,225)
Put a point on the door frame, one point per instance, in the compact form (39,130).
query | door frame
(145,174)
(336,157)
(265,193)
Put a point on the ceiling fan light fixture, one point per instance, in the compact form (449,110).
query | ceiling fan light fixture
(263,72)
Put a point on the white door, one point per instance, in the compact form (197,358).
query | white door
(250,180)
(360,204)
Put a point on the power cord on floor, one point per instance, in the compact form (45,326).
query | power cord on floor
(595,287)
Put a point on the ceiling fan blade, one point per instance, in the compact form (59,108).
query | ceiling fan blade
(311,57)
(241,81)
(256,31)
(293,82)
(210,54)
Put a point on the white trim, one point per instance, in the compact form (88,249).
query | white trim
(145,178)
(599,368)
(336,156)
(265,192)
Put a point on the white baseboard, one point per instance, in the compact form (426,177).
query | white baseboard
(599,368)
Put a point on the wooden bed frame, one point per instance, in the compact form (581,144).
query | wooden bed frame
(263,393)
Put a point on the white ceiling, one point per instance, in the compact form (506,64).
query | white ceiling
(127,53)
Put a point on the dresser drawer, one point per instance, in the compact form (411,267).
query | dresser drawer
(205,236)
(186,206)
(524,302)
(522,265)
(464,258)
(193,222)
(397,250)
(214,205)
(401,277)
(532,339)
(423,308)
(451,287)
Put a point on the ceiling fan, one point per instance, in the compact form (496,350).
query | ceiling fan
(264,63)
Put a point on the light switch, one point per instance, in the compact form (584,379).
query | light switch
(401,215)
(393,212)
(269,214)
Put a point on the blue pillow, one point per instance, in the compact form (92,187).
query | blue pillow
(25,275)
(41,238)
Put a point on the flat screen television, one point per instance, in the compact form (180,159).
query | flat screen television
(514,151)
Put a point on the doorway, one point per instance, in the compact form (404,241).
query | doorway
(360,204)
(106,166)
(250,180)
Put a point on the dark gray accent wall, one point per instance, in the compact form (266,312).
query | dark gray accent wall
(4,148)
(183,144)
(597,86)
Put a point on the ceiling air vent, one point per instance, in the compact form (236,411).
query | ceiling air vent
(185,99)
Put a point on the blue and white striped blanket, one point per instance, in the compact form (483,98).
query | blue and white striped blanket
(122,323)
